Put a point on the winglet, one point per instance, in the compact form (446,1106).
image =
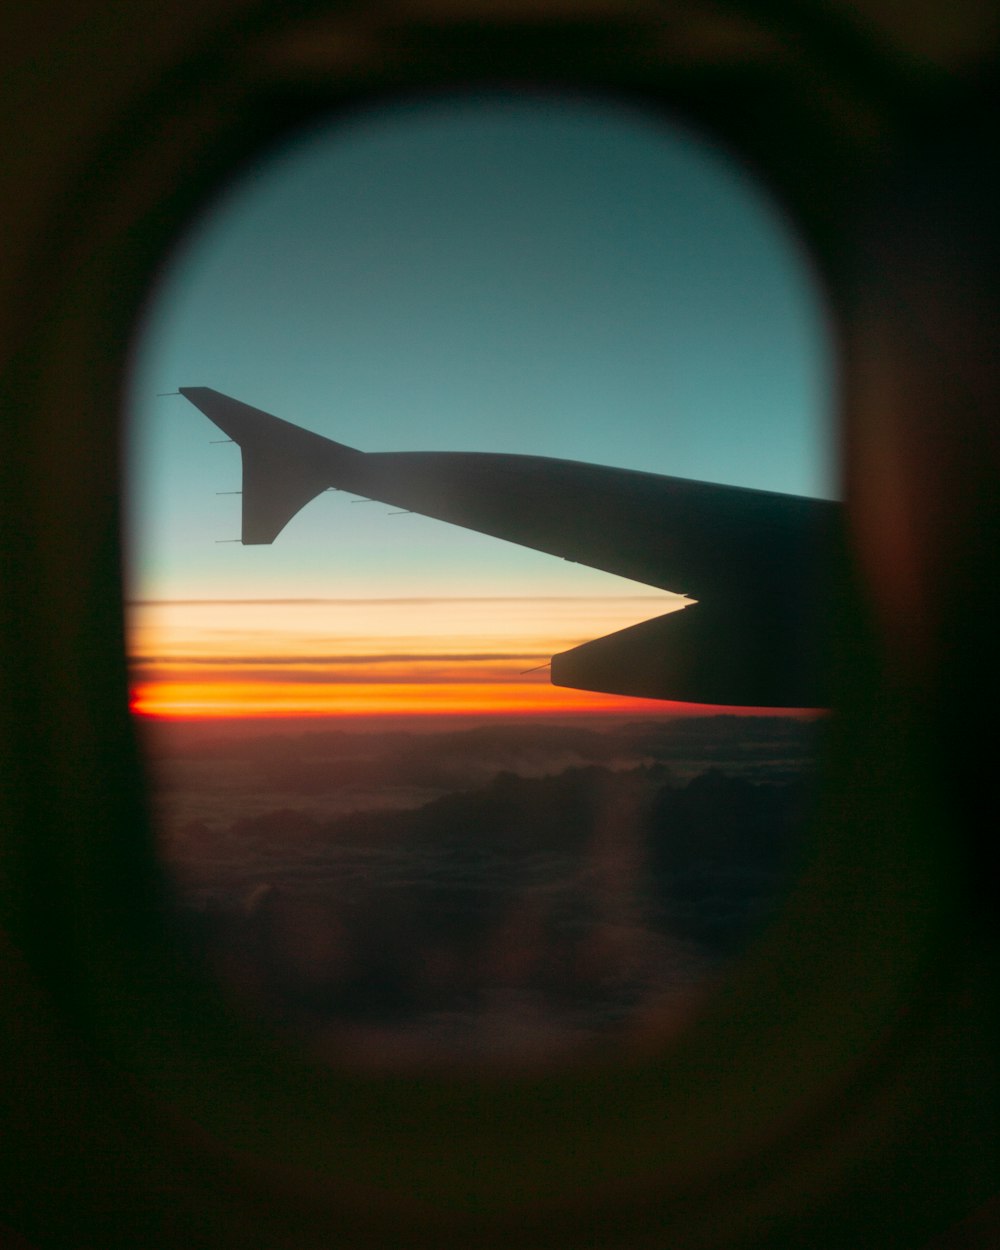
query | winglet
(284,466)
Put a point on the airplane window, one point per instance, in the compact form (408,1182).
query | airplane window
(476,713)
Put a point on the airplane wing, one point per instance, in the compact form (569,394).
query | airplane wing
(749,557)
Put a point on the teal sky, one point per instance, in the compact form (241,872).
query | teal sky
(500,273)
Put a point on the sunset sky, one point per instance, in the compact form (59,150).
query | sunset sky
(493,273)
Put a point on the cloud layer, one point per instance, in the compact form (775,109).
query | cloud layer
(501,891)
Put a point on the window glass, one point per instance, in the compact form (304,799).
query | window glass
(389,833)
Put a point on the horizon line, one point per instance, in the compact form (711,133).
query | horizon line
(141,602)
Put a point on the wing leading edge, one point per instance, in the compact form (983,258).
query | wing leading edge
(749,557)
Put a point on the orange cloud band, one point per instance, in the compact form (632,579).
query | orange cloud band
(359,658)
(256,699)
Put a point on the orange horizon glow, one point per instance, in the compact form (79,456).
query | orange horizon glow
(231,700)
(219,701)
(201,660)
(198,660)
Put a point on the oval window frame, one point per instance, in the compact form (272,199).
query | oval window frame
(779,1045)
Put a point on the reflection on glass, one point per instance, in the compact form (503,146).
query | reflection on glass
(389,833)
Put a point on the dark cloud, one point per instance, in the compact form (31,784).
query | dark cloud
(280,762)
(565,895)
(335,677)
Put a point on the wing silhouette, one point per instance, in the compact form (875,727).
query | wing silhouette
(751,558)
